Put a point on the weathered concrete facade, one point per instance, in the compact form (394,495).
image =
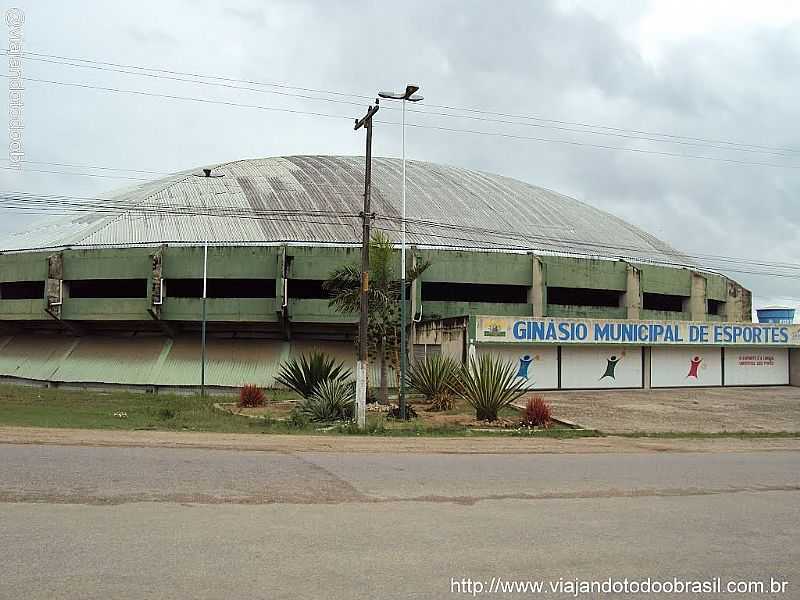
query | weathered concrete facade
(289,286)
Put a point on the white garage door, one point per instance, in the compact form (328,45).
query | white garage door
(756,366)
(685,366)
(536,366)
(598,367)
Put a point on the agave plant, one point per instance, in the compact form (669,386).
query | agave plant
(305,376)
(489,384)
(435,378)
(333,400)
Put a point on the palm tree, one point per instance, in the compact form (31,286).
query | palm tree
(383,331)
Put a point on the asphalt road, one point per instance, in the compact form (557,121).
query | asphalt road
(84,522)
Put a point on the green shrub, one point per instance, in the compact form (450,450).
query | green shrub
(333,400)
(488,385)
(165,414)
(305,375)
(297,419)
(394,412)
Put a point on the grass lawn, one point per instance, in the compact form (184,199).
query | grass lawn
(93,409)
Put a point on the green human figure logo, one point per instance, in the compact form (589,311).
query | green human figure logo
(611,367)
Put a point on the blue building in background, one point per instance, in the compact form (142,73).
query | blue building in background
(775,314)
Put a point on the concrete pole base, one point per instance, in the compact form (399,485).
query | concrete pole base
(361,394)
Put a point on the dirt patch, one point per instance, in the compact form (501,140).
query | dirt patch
(368,444)
(707,410)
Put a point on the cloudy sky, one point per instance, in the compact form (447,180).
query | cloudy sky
(703,73)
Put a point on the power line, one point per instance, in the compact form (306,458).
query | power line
(607,130)
(417,125)
(25,202)
(470,243)
(177,97)
(197,81)
(512,234)
(26,170)
(85,166)
(598,146)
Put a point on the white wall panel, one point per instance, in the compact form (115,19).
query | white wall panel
(536,366)
(596,367)
(756,366)
(685,366)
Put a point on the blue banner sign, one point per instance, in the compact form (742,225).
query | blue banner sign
(530,330)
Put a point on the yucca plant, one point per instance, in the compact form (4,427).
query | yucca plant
(305,375)
(333,400)
(488,384)
(435,378)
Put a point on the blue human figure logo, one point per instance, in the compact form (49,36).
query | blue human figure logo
(524,364)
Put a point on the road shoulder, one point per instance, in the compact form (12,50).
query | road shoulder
(381,445)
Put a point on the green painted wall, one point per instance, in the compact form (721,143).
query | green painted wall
(581,273)
(232,262)
(586,312)
(716,288)
(664,315)
(663,280)
(220,309)
(105,309)
(456,309)
(108,263)
(23,266)
(316,311)
(477,267)
(22,310)
(317,263)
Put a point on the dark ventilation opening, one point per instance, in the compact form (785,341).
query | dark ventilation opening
(583,297)
(716,307)
(474,292)
(307,289)
(220,288)
(22,290)
(107,288)
(663,302)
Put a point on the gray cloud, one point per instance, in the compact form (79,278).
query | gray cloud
(534,58)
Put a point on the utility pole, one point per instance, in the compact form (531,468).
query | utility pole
(409,95)
(363,322)
(203,326)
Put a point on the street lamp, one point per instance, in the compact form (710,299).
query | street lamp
(410,96)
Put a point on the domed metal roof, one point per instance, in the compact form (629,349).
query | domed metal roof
(316,199)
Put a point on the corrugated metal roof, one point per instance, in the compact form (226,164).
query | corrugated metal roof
(454,202)
(161,361)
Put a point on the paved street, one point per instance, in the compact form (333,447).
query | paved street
(197,523)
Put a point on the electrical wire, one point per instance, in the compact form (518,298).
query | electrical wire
(59,204)
(417,125)
(587,127)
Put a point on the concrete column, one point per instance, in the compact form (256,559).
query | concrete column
(697,300)
(794,367)
(537,293)
(738,304)
(54,287)
(632,298)
(646,366)
(156,282)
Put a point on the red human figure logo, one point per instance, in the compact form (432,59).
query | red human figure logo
(694,364)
